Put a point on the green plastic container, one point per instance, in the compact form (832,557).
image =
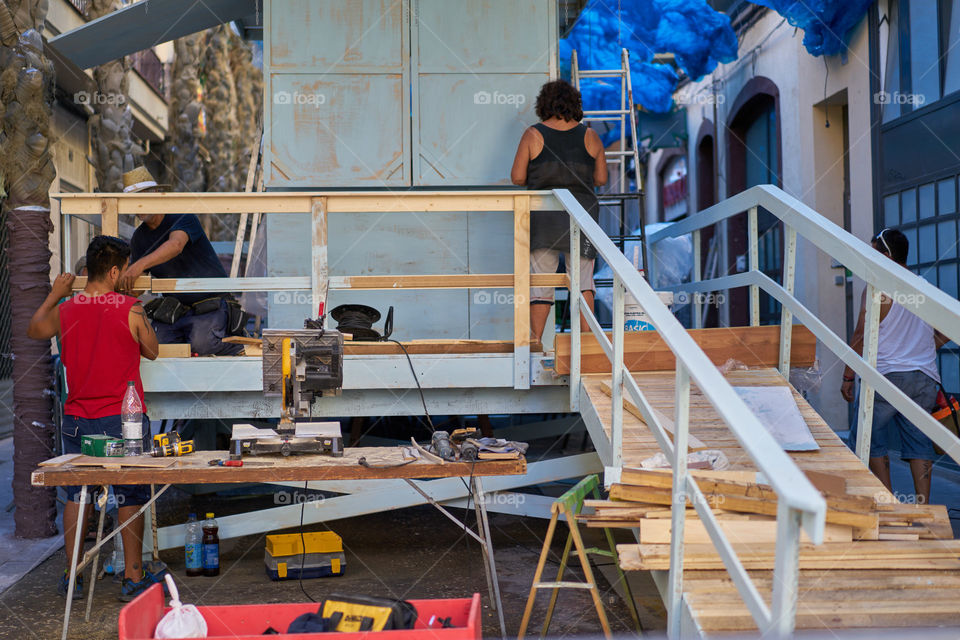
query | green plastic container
(101,446)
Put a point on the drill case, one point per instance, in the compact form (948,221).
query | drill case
(367,613)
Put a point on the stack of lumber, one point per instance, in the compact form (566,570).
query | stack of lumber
(860,532)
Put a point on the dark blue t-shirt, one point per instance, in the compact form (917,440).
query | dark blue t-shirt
(197,260)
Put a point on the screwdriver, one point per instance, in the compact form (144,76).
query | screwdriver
(226,463)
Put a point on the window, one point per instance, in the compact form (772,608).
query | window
(891,108)
(951,80)
(924,52)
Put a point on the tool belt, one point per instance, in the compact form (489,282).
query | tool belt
(168,310)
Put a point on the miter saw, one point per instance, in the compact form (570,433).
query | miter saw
(299,365)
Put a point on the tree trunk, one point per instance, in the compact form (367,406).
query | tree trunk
(114,149)
(184,164)
(222,139)
(26,93)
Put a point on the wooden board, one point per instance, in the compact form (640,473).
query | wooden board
(646,350)
(194,468)
(433,347)
(142,462)
(174,350)
(657,531)
(693,442)
(939,554)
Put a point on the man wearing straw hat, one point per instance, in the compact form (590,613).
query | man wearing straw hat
(175,246)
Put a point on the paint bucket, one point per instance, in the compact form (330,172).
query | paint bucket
(635,318)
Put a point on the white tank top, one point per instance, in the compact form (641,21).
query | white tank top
(906,343)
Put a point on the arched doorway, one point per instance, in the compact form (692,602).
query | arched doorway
(754,157)
(706,189)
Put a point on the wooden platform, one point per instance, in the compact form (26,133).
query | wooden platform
(829,598)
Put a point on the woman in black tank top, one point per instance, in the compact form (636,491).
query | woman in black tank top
(559,152)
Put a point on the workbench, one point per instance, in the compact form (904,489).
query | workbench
(382,464)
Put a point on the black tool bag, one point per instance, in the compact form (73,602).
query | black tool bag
(367,613)
(166,309)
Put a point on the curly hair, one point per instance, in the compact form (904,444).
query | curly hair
(559,99)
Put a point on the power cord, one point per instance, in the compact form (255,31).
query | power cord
(303,544)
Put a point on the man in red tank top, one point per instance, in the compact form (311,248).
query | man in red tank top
(102,335)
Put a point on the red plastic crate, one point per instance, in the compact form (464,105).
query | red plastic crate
(248,621)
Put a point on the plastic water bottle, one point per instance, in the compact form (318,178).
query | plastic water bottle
(131,415)
(211,547)
(193,547)
(115,564)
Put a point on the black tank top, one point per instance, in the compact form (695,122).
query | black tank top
(564,163)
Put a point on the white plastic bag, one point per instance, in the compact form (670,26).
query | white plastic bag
(183,620)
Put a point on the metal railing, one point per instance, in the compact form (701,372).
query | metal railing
(881,274)
(799,506)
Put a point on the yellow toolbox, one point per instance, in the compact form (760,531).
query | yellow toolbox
(288,544)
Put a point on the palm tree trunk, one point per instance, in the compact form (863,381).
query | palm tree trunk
(184,163)
(27,172)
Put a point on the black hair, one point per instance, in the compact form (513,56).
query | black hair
(105,253)
(559,99)
(893,243)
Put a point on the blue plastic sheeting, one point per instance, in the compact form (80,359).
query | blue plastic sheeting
(697,35)
(827,24)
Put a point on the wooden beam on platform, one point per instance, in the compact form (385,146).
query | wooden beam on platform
(446,281)
(646,350)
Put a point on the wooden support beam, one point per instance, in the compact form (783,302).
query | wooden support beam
(109,219)
(318,274)
(521,291)
(646,350)
(446,281)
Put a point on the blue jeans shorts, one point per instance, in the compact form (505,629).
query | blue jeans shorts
(74,428)
(889,425)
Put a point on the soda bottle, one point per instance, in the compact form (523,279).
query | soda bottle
(193,547)
(115,564)
(131,415)
(211,547)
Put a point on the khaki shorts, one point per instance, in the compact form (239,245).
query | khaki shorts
(547,261)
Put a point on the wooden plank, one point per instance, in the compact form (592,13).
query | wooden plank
(248,187)
(693,442)
(433,347)
(174,350)
(521,292)
(733,502)
(195,469)
(144,462)
(646,350)
(299,202)
(59,460)
(109,221)
(835,555)
(318,273)
(166,285)
(446,281)
(657,531)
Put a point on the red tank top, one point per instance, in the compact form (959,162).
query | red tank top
(99,354)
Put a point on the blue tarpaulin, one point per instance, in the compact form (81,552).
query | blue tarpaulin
(697,35)
(827,24)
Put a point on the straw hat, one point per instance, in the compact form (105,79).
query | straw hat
(140,179)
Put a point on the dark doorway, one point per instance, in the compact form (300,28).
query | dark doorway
(706,198)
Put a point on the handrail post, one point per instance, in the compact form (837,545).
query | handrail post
(66,243)
(678,506)
(786,572)
(697,275)
(616,383)
(575,329)
(753,258)
(871,332)
(521,292)
(786,316)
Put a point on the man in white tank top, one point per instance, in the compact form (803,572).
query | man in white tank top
(907,356)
